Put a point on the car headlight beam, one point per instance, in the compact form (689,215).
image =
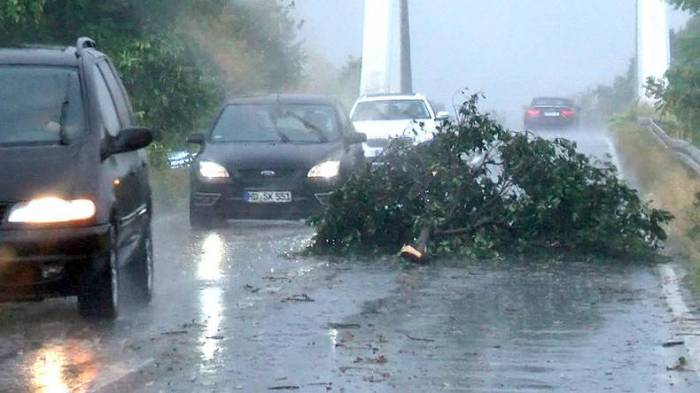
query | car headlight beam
(325,170)
(212,171)
(52,210)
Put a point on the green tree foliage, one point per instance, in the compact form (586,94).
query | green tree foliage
(178,58)
(604,101)
(680,95)
(687,5)
(481,190)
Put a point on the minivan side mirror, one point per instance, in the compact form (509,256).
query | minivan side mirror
(129,139)
(354,137)
(443,115)
(196,139)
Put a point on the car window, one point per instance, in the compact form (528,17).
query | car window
(108,111)
(274,123)
(391,110)
(39,104)
(117,92)
(551,101)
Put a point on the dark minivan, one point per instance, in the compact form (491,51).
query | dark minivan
(75,202)
(272,157)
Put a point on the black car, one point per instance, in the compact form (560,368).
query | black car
(273,157)
(75,202)
(551,112)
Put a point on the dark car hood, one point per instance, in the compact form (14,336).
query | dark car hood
(241,156)
(30,172)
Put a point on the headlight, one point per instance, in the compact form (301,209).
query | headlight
(212,170)
(325,170)
(51,211)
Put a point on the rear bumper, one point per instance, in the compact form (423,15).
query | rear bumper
(550,122)
(48,262)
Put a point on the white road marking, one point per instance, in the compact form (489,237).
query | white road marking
(688,324)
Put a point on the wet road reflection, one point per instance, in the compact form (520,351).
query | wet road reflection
(212,257)
(213,317)
(62,368)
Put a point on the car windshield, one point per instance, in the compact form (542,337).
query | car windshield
(391,110)
(295,123)
(551,102)
(40,105)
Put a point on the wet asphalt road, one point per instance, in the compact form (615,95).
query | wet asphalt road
(239,310)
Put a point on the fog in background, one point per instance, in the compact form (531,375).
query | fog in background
(511,50)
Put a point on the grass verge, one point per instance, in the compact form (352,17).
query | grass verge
(672,186)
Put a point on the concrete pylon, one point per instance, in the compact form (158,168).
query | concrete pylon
(386,52)
(653,46)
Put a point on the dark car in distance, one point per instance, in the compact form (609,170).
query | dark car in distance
(551,112)
(272,157)
(75,201)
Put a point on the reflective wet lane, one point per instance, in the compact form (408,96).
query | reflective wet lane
(238,310)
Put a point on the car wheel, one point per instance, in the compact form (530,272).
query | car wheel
(141,269)
(99,294)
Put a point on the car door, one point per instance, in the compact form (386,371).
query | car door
(122,167)
(125,113)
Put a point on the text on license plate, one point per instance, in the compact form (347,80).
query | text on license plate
(268,197)
(551,114)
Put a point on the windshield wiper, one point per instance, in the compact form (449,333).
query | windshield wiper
(319,133)
(62,134)
(283,137)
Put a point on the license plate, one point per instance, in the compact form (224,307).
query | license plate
(551,114)
(268,197)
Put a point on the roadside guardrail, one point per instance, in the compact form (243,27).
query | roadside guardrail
(687,152)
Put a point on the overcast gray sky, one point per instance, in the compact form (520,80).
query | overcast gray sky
(509,49)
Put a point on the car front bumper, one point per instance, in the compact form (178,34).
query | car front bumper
(226,200)
(48,262)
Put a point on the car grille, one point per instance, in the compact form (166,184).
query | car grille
(258,174)
(384,142)
(377,142)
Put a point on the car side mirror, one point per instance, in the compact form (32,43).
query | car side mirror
(355,137)
(196,138)
(129,139)
(442,116)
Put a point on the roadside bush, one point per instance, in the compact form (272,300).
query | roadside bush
(480,190)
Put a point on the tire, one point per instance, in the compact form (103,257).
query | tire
(99,293)
(141,270)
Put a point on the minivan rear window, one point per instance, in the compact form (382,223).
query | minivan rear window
(39,105)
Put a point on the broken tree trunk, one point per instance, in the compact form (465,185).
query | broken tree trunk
(417,252)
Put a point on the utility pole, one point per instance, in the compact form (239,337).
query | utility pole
(653,46)
(386,51)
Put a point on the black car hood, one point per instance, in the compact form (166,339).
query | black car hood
(30,172)
(241,156)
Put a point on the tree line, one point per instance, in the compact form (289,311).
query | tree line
(178,58)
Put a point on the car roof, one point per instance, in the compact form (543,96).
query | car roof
(396,97)
(51,56)
(300,99)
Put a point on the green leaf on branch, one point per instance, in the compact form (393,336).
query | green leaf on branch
(482,191)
